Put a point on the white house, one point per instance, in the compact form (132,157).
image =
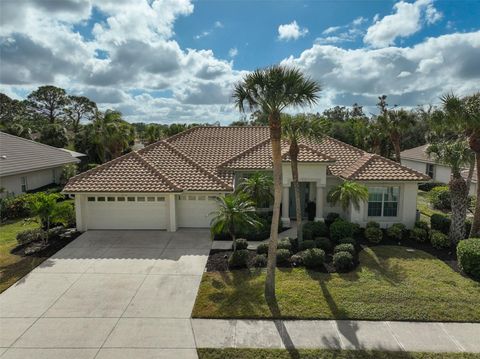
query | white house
(27,165)
(417,159)
(173,183)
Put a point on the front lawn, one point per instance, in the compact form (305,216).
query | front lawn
(389,284)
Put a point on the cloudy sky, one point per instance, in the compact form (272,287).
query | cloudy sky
(176,60)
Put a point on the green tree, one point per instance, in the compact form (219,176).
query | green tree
(49,102)
(54,134)
(271,90)
(153,133)
(80,109)
(44,206)
(11,111)
(348,192)
(258,187)
(234,211)
(295,128)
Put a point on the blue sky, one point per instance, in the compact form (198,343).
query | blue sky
(177,60)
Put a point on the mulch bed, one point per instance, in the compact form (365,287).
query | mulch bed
(54,245)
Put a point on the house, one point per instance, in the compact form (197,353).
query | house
(418,159)
(27,165)
(174,182)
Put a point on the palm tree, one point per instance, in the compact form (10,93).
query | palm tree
(233,212)
(463,115)
(258,187)
(455,154)
(293,129)
(271,90)
(348,192)
(44,206)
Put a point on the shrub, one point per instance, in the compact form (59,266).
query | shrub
(260,260)
(306,245)
(262,248)
(316,229)
(428,186)
(30,235)
(468,227)
(439,240)
(13,207)
(396,231)
(372,224)
(468,254)
(340,229)
(342,261)
(253,233)
(323,243)
(373,234)
(64,214)
(422,225)
(345,248)
(418,234)
(296,259)
(440,198)
(440,223)
(283,256)
(349,240)
(238,259)
(240,243)
(331,217)
(313,258)
(284,244)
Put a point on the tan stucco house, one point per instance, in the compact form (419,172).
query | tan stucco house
(173,183)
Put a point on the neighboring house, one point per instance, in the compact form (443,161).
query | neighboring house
(174,182)
(27,165)
(417,159)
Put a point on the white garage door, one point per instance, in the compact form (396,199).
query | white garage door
(126,212)
(193,210)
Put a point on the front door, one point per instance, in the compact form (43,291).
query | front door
(304,195)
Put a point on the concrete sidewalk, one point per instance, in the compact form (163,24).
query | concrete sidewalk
(330,334)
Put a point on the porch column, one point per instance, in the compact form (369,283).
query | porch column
(171,213)
(80,212)
(319,203)
(285,206)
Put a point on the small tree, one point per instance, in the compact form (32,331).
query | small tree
(234,211)
(258,187)
(44,206)
(348,192)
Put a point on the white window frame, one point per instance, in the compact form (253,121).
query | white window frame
(384,190)
(23,184)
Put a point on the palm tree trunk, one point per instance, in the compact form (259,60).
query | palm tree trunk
(459,198)
(296,186)
(475,231)
(275,135)
(396,147)
(470,174)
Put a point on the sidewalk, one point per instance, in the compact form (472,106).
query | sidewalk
(330,334)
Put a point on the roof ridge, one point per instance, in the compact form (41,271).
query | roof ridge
(243,153)
(159,173)
(395,163)
(346,144)
(196,164)
(317,152)
(179,134)
(35,142)
(364,160)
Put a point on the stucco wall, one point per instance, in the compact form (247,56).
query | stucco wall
(307,172)
(36,179)
(441,173)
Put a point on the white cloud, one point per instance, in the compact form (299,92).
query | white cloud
(359,21)
(406,20)
(344,33)
(233,52)
(331,29)
(291,31)
(218,24)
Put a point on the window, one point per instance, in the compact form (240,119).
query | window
(91,199)
(23,181)
(430,170)
(110,199)
(150,199)
(131,199)
(383,201)
(101,199)
(192,198)
(120,199)
(140,199)
(161,199)
(201,198)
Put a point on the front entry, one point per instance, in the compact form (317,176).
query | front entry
(304,197)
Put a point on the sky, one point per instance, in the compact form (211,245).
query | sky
(171,61)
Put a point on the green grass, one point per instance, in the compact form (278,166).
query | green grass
(13,267)
(389,284)
(322,354)
(424,206)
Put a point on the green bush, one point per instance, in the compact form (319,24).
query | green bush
(323,243)
(440,223)
(13,207)
(468,254)
(285,244)
(440,198)
(345,248)
(373,234)
(372,224)
(349,240)
(342,261)
(238,259)
(340,229)
(260,260)
(313,257)
(64,214)
(262,248)
(428,186)
(396,231)
(439,240)
(240,243)
(297,259)
(422,225)
(331,217)
(314,229)
(283,256)
(468,227)
(306,245)
(30,235)
(418,234)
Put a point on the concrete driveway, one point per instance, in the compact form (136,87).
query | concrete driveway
(108,294)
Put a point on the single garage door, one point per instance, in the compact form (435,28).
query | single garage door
(194,210)
(126,212)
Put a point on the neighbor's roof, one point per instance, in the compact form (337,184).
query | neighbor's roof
(417,154)
(204,159)
(74,153)
(19,155)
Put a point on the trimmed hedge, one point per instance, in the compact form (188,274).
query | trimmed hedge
(373,234)
(285,244)
(372,224)
(283,256)
(331,217)
(323,243)
(342,261)
(306,245)
(262,248)
(340,229)
(314,229)
(240,244)
(259,261)
(439,240)
(238,259)
(422,225)
(396,231)
(348,240)
(440,223)
(418,234)
(345,248)
(468,254)
(313,258)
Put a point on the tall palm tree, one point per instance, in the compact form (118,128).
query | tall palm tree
(463,115)
(258,187)
(455,154)
(293,129)
(233,212)
(271,90)
(348,192)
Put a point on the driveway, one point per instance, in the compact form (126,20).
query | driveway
(108,294)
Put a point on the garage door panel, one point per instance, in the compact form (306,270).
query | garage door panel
(194,211)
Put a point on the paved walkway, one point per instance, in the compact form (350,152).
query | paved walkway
(296,334)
